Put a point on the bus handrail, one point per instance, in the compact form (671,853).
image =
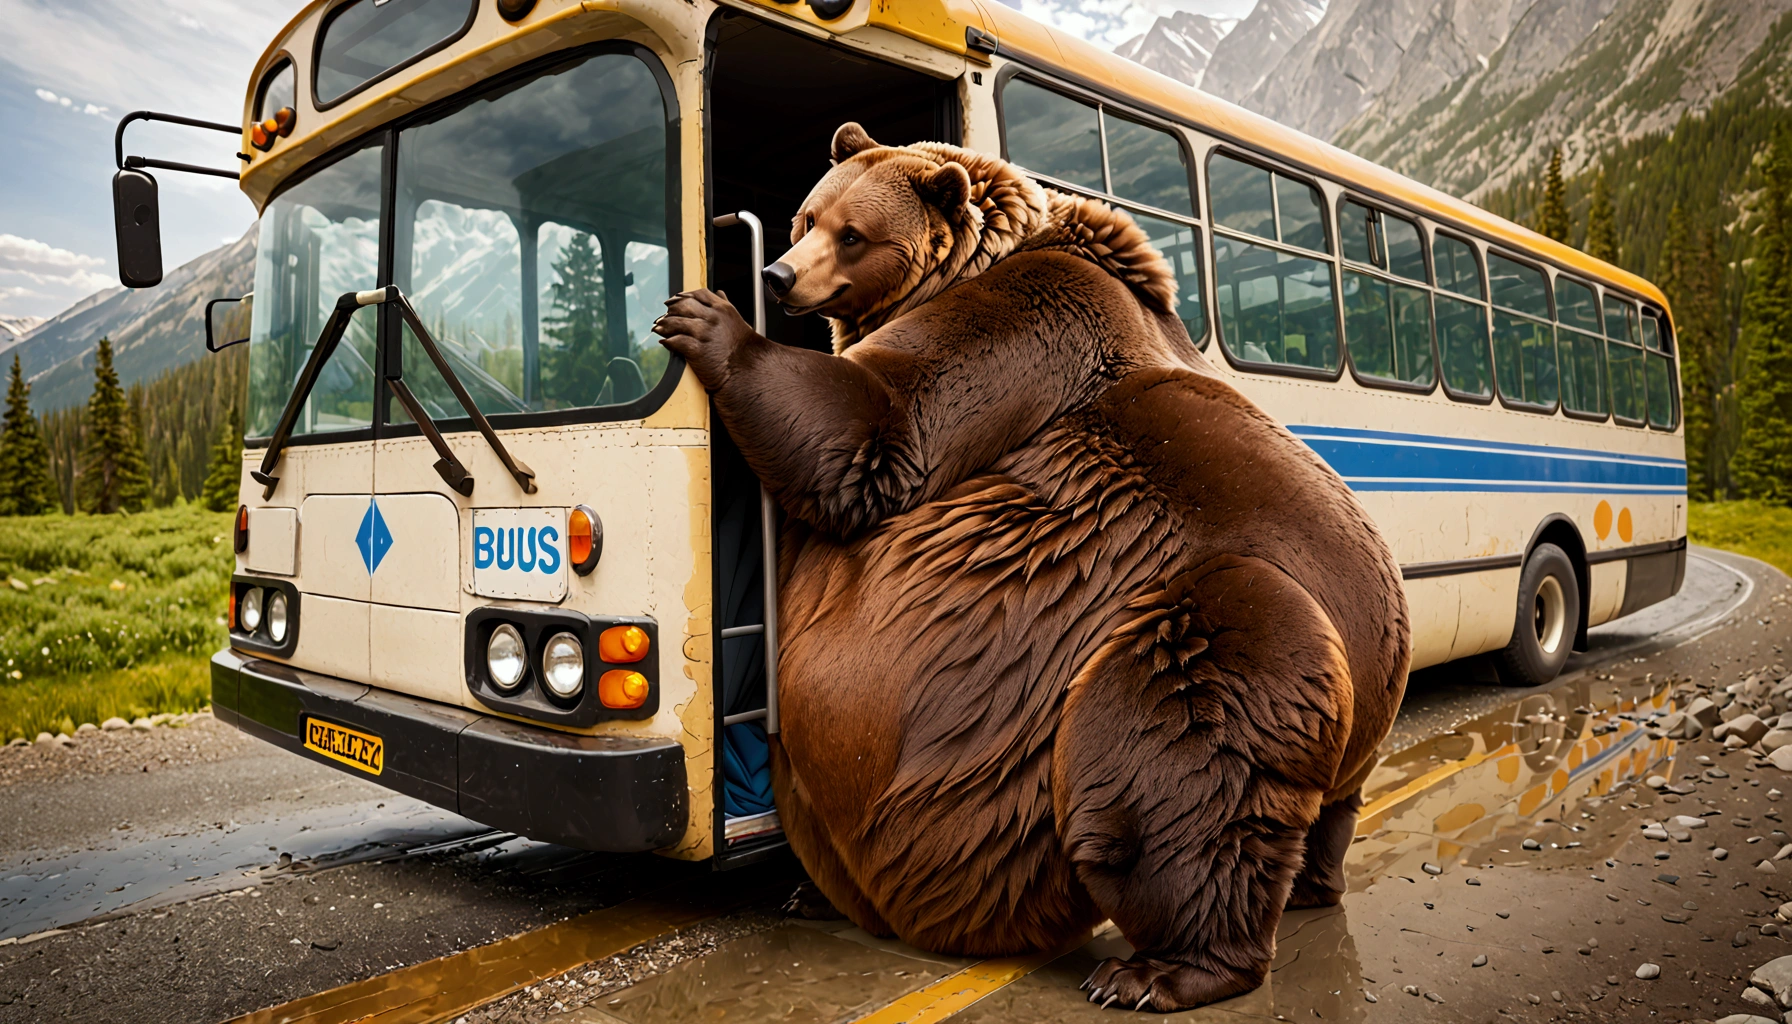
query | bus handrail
(768,509)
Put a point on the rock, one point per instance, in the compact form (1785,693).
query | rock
(1746,1018)
(1770,929)
(114,723)
(1434,997)
(1671,724)
(1740,939)
(1716,773)
(1688,821)
(1785,851)
(141,724)
(1656,832)
(1781,759)
(1411,990)
(1703,711)
(1774,976)
(1656,782)
(1479,961)
(1369,996)
(1431,869)
(44,739)
(1784,913)
(1730,713)
(1649,972)
(1758,998)
(1679,835)
(1532,844)
(63,739)
(1766,868)
(19,741)
(1734,742)
(1775,739)
(87,727)
(1720,854)
(327,945)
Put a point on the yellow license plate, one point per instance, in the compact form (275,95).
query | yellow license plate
(350,746)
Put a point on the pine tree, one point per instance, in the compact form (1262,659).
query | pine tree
(573,371)
(1552,219)
(223,476)
(1676,273)
(1602,226)
(1763,463)
(112,477)
(25,487)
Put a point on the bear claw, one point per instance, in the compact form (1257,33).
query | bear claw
(1164,985)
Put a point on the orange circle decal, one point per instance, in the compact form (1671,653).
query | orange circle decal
(1602,519)
(1624,524)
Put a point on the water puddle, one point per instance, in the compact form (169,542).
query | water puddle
(182,866)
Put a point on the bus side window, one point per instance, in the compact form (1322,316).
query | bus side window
(1276,306)
(1524,349)
(1461,325)
(1241,196)
(1580,350)
(1147,165)
(1624,359)
(1658,373)
(1052,134)
(1387,324)
(1181,245)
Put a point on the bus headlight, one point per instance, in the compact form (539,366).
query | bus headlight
(563,666)
(277,617)
(504,657)
(249,612)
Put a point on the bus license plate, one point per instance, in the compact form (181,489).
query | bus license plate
(352,747)
(520,553)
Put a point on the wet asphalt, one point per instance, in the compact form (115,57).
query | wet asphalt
(259,877)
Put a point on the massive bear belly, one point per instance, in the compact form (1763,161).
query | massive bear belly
(923,668)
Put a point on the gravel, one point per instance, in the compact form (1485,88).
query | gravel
(172,742)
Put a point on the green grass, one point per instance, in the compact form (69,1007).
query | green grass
(1751,528)
(109,615)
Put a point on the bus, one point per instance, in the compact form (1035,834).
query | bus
(493,550)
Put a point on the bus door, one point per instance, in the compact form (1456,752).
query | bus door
(761,161)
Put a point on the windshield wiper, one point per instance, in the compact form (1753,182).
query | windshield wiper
(450,468)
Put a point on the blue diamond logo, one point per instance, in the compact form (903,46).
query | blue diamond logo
(373,538)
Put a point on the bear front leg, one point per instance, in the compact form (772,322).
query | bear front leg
(1189,765)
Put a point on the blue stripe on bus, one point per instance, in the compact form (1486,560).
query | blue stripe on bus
(1379,460)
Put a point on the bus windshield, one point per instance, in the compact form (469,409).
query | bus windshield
(320,238)
(531,237)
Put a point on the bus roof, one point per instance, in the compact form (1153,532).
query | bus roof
(943,24)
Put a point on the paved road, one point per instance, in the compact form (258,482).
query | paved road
(228,876)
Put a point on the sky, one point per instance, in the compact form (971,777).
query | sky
(71,68)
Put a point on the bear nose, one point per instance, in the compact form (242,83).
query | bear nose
(779,278)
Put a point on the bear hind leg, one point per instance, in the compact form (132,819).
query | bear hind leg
(1191,759)
(1321,879)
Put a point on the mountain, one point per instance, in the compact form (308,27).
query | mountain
(1579,74)
(1179,46)
(14,328)
(152,330)
(1253,50)
(1333,72)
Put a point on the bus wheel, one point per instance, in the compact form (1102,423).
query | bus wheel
(1548,619)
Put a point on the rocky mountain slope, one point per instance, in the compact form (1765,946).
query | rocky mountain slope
(151,330)
(1253,50)
(1471,95)
(1179,46)
(13,329)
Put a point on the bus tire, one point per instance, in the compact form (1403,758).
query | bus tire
(1548,619)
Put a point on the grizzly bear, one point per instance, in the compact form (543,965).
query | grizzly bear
(1071,630)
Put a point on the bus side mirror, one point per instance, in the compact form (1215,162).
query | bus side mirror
(137,218)
(227,322)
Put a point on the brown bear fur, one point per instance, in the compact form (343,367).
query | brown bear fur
(1070,628)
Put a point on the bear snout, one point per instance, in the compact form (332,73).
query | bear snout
(780,278)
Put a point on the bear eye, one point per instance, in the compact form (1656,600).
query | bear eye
(849,237)
(811,226)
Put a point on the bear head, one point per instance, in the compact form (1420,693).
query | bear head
(890,227)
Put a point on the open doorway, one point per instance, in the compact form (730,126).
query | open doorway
(775,99)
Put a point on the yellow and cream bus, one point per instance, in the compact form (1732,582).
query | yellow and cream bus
(495,553)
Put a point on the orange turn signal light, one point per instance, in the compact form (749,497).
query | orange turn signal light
(622,645)
(584,539)
(241,539)
(283,120)
(622,688)
(232,608)
(259,137)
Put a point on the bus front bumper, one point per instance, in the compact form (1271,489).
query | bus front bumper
(606,793)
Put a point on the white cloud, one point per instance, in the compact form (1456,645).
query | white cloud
(66,101)
(40,263)
(46,95)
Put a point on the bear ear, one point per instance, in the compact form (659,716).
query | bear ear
(849,141)
(947,187)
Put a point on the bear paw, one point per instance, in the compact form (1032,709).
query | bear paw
(1163,985)
(810,904)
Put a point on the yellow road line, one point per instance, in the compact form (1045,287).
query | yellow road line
(438,989)
(955,992)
